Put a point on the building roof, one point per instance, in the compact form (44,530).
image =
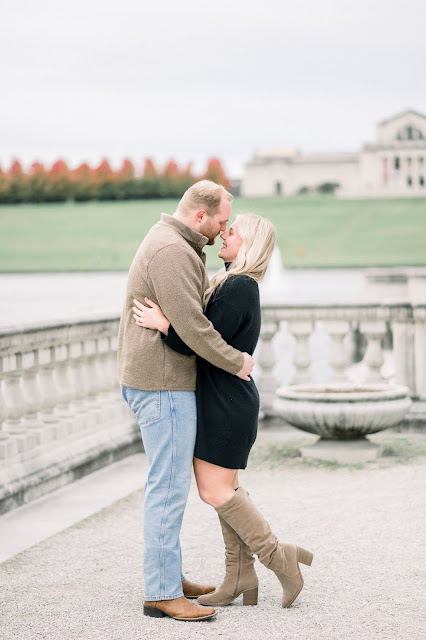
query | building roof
(287,152)
(402,113)
(325,158)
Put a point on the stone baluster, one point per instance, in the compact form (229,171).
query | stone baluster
(64,382)
(404,353)
(30,388)
(420,351)
(8,444)
(102,369)
(267,383)
(121,408)
(387,341)
(338,357)
(3,410)
(113,374)
(43,432)
(373,358)
(417,295)
(90,355)
(358,343)
(49,392)
(105,398)
(16,406)
(91,381)
(301,330)
(15,402)
(65,390)
(75,351)
(108,370)
(79,385)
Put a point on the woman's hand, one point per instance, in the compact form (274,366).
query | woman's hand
(151,316)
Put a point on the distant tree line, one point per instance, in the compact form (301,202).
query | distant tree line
(59,183)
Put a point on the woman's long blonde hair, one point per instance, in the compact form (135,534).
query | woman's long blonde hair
(258,241)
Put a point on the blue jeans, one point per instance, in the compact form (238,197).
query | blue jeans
(168,423)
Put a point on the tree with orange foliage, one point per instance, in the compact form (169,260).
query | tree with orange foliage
(149,168)
(149,183)
(38,183)
(59,182)
(216,172)
(170,180)
(187,178)
(105,181)
(4,187)
(127,170)
(83,185)
(17,180)
(126,181)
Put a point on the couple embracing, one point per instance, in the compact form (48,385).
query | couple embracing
(185,358)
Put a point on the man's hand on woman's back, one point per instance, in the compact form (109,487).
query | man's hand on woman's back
(247,367)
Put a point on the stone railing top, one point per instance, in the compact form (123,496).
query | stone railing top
(25,337)
(393,310)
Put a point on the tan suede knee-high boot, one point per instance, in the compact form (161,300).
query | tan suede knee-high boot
(240,577)
(282,558)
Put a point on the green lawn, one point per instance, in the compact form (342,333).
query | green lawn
(312,231)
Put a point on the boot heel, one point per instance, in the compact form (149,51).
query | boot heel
(154,613)
(250,596)
(305,557)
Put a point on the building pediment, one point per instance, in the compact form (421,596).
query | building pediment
(406,128)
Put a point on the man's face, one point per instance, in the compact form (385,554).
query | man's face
(213,225)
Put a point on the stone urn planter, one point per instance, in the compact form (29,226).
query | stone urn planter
(343,415)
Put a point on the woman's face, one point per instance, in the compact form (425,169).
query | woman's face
(231,244)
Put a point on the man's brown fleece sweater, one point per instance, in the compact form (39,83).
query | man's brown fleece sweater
(169,268)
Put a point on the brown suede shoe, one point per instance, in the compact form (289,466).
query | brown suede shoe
(178,609)
(194,590)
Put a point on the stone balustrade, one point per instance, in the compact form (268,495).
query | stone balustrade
(357,333)
(61,411)
(62,415)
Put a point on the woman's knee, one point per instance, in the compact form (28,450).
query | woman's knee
(206,496)
(217,496)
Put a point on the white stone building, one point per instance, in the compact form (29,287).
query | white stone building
(393,166)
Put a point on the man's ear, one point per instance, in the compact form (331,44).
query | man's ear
(200,215)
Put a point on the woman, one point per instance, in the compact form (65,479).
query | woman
(227,411)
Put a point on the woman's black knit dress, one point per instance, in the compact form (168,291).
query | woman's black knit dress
(227,407)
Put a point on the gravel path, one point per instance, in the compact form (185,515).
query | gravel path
(366,528)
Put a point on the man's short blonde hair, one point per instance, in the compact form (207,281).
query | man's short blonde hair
(204,194)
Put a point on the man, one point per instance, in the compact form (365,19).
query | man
(159,383)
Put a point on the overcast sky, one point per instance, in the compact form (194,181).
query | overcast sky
(188,79)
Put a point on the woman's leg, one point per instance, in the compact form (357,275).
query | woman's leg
(216,485)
